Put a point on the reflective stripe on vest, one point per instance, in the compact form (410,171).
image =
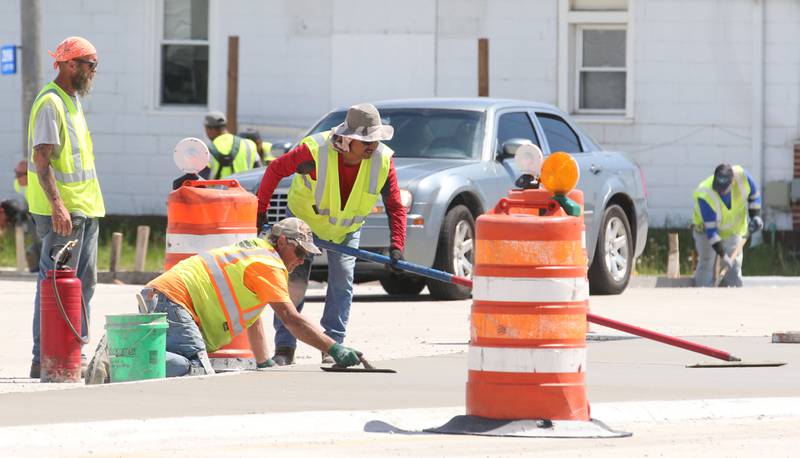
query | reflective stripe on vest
(221,285)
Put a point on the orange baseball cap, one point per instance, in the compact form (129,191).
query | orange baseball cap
(72,48)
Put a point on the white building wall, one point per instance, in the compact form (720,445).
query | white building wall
(300,58)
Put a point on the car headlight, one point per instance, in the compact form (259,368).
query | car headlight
(406,199)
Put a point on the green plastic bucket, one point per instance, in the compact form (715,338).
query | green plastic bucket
(137,345)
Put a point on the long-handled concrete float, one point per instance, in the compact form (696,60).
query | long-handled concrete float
(729,360)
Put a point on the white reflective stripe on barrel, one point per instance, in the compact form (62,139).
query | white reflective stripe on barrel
(511,289)
(193,243)
(523,360)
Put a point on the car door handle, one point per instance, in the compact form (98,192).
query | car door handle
(595,169)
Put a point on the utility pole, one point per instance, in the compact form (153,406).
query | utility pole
(31,34)
(233,83)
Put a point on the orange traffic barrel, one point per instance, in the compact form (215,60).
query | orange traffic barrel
(201,218)
(203,215)
(527,354)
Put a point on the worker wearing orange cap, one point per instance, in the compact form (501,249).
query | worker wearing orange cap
(63,191)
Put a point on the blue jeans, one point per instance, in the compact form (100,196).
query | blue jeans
(184,339)
(337,299)
(83,261)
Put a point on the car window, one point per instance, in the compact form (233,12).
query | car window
(515,125)
(559,135)
(426,133)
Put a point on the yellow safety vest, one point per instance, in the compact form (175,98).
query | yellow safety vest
(266,149)
(318,202)
(243,159)
(214,279)
(730,221)
(72,162)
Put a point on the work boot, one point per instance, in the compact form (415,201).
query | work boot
(98,371)
(284,356)
(36,371)
(327,359)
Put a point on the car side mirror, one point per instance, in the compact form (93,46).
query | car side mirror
(509,148)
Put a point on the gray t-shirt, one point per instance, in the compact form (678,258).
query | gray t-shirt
(46,130)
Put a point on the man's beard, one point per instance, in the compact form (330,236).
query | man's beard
(82,83)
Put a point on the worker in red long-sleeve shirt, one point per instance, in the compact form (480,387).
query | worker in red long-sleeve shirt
(338,176)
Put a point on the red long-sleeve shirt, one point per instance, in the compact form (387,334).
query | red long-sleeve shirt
(300,160)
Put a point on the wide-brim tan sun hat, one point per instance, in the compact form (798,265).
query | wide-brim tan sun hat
(363,122)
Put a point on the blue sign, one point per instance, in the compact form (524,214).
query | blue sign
(8,60)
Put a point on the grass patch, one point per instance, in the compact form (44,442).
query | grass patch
(113,223)
(776,256)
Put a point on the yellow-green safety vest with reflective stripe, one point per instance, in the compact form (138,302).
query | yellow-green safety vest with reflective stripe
(214,279)
(266,148)
(318,202)
(730,221)
(72,161)
(245,156)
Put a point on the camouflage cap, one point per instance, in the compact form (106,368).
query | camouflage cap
(296,229)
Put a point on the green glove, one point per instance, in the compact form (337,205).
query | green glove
(344,356)
(265,365)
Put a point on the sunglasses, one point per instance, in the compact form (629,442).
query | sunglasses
(299,251)
(91,63)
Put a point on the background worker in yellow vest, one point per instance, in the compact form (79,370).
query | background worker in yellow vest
(722,204)
(340,174)
(229,153)
(211,297)
(264,148)
(64,195)
(33,251)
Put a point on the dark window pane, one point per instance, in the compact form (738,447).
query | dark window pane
(515,125)
(604,48)
(602,90)
(427,133)
(559,135)
(186,19)
(184,77)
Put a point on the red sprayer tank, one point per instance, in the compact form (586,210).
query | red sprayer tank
(60,325)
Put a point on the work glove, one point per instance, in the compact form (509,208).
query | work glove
(265,365)
(755,225)
(395,255)
(344,356)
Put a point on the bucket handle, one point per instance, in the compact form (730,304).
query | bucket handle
(205,183)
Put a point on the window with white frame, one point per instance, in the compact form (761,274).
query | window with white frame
(600,69)
(184,49)
(595,57)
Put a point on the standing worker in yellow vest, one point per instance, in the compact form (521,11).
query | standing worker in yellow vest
(264,148)
(229,153)
(340,174)
(214,296)
(63,191)
(722,204)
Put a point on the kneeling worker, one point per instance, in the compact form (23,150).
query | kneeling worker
(213,296)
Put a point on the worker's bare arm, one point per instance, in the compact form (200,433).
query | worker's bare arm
(62,224)
(258,341)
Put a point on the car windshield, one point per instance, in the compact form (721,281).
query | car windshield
(426,133)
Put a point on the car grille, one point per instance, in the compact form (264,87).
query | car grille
(277,207)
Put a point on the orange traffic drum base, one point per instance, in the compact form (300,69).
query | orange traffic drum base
(236,356)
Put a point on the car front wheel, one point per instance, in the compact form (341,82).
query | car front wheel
(455,253)
(613,255)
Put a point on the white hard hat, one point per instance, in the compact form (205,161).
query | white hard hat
(529,159)
(191,155)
